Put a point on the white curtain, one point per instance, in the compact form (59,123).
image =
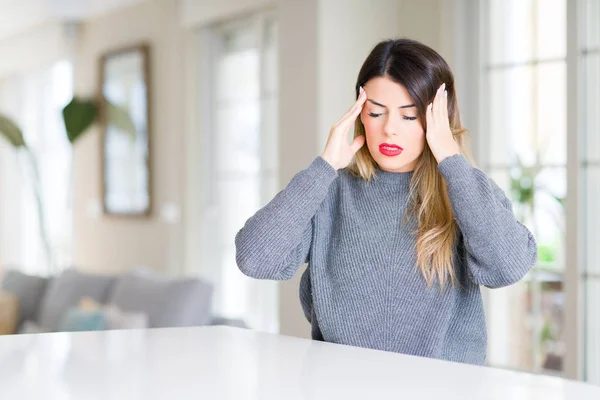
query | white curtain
(34,100)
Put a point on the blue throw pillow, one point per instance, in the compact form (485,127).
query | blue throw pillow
(76,320)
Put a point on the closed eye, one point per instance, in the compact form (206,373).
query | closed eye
(375,115)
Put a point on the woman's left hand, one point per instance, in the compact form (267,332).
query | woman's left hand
(439,136)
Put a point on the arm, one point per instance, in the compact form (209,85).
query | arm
(500,250)
(276,241)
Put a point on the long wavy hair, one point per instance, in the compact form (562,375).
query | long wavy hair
(421,71)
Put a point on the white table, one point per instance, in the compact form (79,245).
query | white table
(232,363)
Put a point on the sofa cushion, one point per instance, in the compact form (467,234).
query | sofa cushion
(65,291)
(28,288)
(168,303)
(9,313)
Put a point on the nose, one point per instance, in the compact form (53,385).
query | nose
(391,125)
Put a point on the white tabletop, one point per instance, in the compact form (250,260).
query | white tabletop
(233,363)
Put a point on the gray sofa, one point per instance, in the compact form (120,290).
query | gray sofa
(165,302)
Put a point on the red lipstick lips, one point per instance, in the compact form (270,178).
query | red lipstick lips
(390,150)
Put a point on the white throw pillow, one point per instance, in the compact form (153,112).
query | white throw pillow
(29,327)
(118,319)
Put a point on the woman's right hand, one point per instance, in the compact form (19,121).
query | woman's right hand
(338,152)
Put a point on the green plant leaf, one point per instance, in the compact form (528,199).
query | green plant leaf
(560,200)
(523,188)
(546,253)
(546,333)
(11,132)
(119,117)
(78,116)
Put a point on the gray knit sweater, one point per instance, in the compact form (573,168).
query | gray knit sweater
(362,286)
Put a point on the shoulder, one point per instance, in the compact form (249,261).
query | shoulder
(345,185)
(348,183)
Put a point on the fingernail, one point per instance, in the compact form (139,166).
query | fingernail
(446,93)
(444,86)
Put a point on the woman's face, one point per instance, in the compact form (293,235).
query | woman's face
(394,134)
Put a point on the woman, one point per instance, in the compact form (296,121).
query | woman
(398,229)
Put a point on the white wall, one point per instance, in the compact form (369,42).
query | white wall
(194,13)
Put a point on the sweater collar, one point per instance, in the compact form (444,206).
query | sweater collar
(393,178)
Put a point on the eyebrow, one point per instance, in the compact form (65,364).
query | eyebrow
(381,105)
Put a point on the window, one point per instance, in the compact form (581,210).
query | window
(525,97)
(589,59)
(243,164)
(34,101)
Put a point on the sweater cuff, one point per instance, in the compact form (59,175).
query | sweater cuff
(322,170)
(455,167)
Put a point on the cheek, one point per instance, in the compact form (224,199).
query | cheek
(417,134)
(373,127)
(369,124)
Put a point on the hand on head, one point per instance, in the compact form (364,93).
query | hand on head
(338,152)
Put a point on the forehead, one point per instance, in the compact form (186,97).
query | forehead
(385,91)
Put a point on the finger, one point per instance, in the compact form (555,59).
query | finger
(429,116)
(358,105)
(356,108)
(445,106)
(357,143)
(434,106)
(438,102)
(344,124)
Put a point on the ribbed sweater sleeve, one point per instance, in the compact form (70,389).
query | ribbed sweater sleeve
(276,240)
(500,249)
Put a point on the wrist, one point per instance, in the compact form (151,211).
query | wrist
(333,165)
(441,156)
